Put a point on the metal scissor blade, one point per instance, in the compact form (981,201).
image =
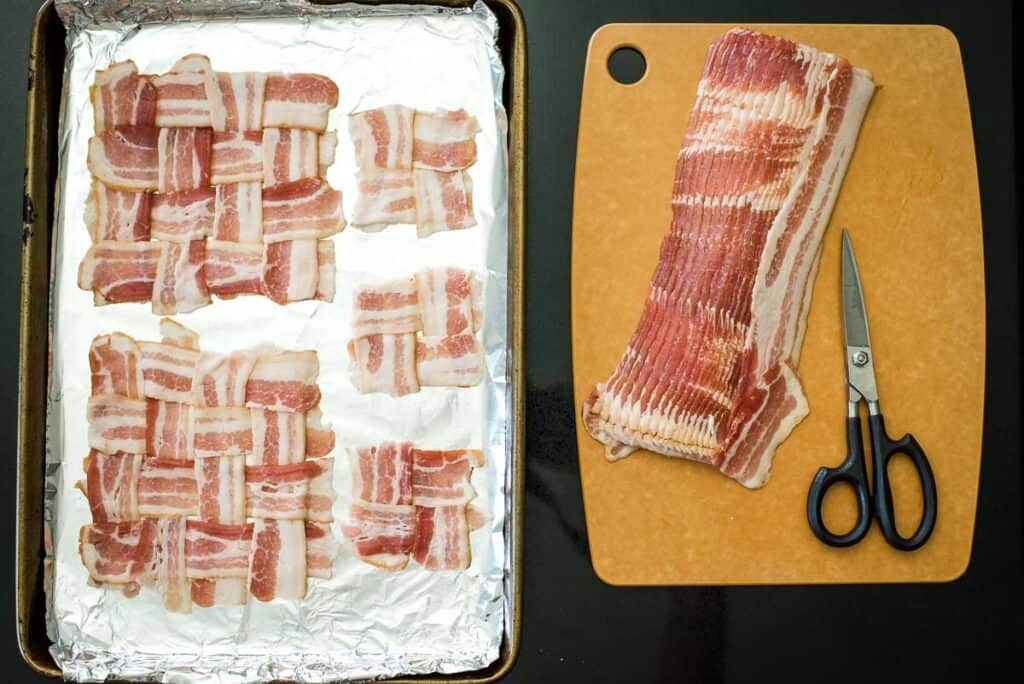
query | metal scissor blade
(860,371)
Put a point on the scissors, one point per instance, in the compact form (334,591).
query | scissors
(860,381)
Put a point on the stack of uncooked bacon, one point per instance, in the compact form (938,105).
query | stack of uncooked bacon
(408,501)
(210,183)
(208,475)
(412,168)
(444,304)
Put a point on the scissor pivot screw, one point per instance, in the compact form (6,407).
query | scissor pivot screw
(860,358)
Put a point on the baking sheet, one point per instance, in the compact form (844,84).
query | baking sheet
(363,622)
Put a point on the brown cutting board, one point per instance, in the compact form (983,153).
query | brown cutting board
(910,201)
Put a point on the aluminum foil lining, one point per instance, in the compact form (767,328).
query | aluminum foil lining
(364,622)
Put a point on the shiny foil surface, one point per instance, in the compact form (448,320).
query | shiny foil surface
(364,622)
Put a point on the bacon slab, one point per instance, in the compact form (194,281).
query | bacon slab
(238,212)
(325,279)
(172,579)
(117,215)
(115,363)
(319,437)
(709,373)
(450,301)
(121,97)
(441,478)
(298,101)
(442,538)
(382,474)
(277,491)
(116,424)
(291,270)
(221,378)
(184,158)
(168,371)
(236,157)
(118,553)
(444,201)
(382,137)
(224,591)
(118,272)
(111,483)
(180,285)
(277,565)
(453,361)
(167,488)
(181,97)
(390,307)
(285,381)
(169,430)
(221,431)
(220,481)
(215,550)
(182,216)
(126,158)
(326,149)
(301,210)
(320,493)
(321,550)
(381,534)
(234,268)
(384,363)
(236,100)
(385,197)
(177,335)
(444,140)
(278,437)
(290,154)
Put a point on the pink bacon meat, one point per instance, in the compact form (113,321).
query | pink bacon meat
(119,553)
(168,371)
(182,216)
(236,100)
(301,210)
(383,474)
(279,437)
(277,564)
(453,361)
(290,154)
(291,270)
(121,97)
(444,140)
(215,550)
(184,158)
(117,215)
(221,431)
(384,363)
(709,374)
(169,430)
(442,538)
(180,285)
(118,272)
(181,94)
(167,488)
(238,213)
(221,378)
(115,363)
(382,534)
(441,478)
(298,101)
(321,550)
(389,307)
(319,437)
(220,481)
(111,484)
(285,381)
(385,197)
(234,268)
(172,579)
(126,158)
(444,201)
(236,157)
(117,424)
(383,137)
(325,264)
(450,301)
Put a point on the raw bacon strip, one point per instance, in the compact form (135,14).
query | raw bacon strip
(441,478)
(226,591)
(111,483)
(449,301)
(325,283)
(181,97)
(326,150)
(444,201)
(215,550)
(291,270)
(221,431)
(168,371)
(182,216)
(169,430)
(290,154)
(172,579)
(285,381)
(236,100)
(382,474)
(119,272)
(118,553)
(278,437)
(120,97)
(277,565)
(301,210)
(236,157)
(180,285)
(386,307)
(386,197)
(220,481)
(382,137)
(321,550)
(384,363)
(184,158)
(298,101)
(442,538)
(117,424)
(116,365)
(320,494)
(444,140)
(221,378)
(454,361)
(277,491)
(167,488)
(117,215)
(234,268)
(177,335)
(238,213)
(382,534)
(319,438)
(709,372)
(126,158)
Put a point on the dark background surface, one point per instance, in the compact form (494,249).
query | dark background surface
(575,627)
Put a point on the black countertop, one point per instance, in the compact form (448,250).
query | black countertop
(575,627)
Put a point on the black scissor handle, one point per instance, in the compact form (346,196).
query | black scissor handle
(883,448)
(853,471)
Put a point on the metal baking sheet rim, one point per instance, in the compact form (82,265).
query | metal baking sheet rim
(45,69)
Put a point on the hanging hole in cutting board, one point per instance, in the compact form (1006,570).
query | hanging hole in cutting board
(627,65)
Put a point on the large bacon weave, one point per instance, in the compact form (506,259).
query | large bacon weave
(709,373)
